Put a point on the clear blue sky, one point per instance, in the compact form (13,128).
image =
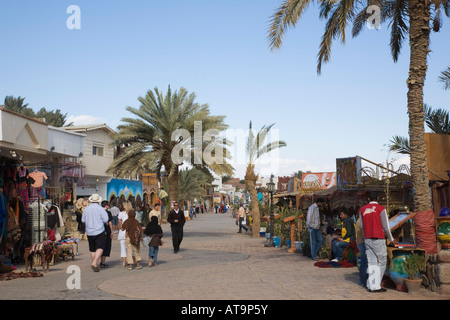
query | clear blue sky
(219,50)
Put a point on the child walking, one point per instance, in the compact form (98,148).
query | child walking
(154,230)
(133,239)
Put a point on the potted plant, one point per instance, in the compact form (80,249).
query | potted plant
(414,264)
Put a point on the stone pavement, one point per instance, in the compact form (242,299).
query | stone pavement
(214,263)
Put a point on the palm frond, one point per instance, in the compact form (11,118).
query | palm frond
(437,120)
(445,78)
(285,16)
(400,145)
(399,28)
(339,15)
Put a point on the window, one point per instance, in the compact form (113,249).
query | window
(97,151)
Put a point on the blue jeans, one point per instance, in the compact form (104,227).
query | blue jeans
(153,253)
(241,225)
(338,248)
(363,266)
(315,236)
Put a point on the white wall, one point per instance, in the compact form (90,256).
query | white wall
(65,142)
(96,165)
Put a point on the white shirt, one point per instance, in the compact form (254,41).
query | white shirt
(156,214)
(123,215)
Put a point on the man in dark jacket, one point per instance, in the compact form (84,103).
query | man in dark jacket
(348,235)
(176,219)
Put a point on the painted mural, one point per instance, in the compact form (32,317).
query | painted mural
(348,173)
(119,187)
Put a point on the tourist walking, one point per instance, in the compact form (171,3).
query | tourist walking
(133,230)
(154,231)
(109,235)
(313,226)
(95,217)
(177,220)
(115,216)
(123,216)
(375,223)
(241,216)
(156,212)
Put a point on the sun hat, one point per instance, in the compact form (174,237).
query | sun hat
(95,198)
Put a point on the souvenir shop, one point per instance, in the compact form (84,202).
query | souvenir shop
(31,207)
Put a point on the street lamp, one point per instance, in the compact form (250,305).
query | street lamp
(271,189)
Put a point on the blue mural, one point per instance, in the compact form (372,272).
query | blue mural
(118,187)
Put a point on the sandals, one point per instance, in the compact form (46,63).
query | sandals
(103,265)
(138,267)
(95,268)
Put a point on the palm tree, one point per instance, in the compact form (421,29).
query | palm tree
(445,78)
(54,118)
(163,129)
(436,120)
(191,182)
(18,105)
(413,18)
(255,149)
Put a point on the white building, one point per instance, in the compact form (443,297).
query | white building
(96,157)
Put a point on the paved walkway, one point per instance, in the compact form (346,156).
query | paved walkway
(214,263)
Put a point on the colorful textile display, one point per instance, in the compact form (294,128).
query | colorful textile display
(349,258)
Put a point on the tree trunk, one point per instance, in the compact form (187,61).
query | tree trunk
(250,181)
(419,36)
(173,185)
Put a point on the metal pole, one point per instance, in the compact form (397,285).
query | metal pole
(271,220)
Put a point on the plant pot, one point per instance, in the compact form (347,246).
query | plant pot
(413,285)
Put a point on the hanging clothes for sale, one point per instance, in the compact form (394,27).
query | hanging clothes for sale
(54,219)
(3,213)
(13,231)
(38,222)
(52,216)
(22,181)
(39,178)
(38,187)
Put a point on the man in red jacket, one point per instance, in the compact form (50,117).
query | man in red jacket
(375,223)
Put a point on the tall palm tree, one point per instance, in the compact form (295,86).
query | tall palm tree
(445,78)
(413,18)
(256,148)
(165,127)
(437,120)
